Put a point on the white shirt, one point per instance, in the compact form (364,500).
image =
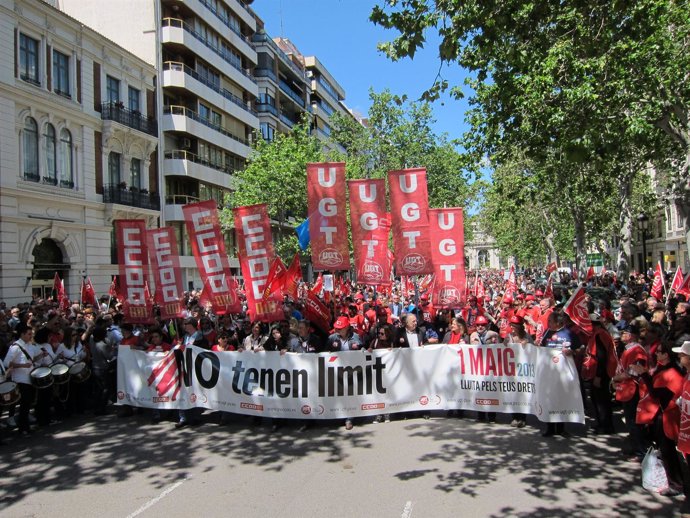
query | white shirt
(16,355)
(412,339)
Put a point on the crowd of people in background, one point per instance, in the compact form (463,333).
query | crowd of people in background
(56,364)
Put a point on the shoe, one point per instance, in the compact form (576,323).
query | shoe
(387,418)
(426,416)
(521,423)
(514,423)
(378,419)
(669,491)
(348,424)
(181,424)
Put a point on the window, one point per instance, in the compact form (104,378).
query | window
(66,167)
(266,99)
(134,100)
(267,131)
(114,168)
(61,73)
(216,118)
(208,74)
(30,142)
(112,90)
(28,59)
(51,155)
(135,173)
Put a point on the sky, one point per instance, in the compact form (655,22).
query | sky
(340,35)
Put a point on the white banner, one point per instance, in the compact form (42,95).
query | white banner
(490,378)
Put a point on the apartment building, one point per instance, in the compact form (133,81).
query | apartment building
(205,56)
(78,142)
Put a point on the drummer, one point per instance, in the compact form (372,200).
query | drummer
(19,363)
(44,400)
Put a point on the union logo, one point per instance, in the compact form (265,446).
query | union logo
(372,271)
(449,295)
(413,262)
(330,257)
(306,409)
(424,400)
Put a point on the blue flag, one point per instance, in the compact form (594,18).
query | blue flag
(303,234)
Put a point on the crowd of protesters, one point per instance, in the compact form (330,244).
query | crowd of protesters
(636,356)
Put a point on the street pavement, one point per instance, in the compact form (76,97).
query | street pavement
(442,467)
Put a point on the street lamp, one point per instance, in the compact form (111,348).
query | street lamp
(643,225)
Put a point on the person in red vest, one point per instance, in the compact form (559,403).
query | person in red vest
(664,387)
(470,313)
(503,320)
(428,312)
(541,323)
(599,366)
(626,382)
(356,320)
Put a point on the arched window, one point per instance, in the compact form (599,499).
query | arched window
(30,143)
(51,155)
(66,167)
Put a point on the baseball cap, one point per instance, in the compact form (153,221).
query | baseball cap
(341,323)
(683,349)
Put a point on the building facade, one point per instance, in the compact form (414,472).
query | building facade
(481,251)
(78,141)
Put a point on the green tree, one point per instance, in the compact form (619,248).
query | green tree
(592,86)
(276,174)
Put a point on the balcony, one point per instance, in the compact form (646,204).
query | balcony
(262,37)
(221,52)
(328,88)
(111,111)
(286,120)
(186,112)
(122,196)
(267,108)
(181,154)
(285,88)
(32,177)
(265,72)
(181,67)
(211,7)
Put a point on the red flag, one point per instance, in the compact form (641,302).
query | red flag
(370,228)
(410,221)
(114,290)
(590,274)
(448,254)
(328,216)
(345,288)
(480,291)
(276,279)
(208,248)
(550,268)
(88,293)
(166,271)
(58,288)
(677,282)
(256,252)
(292,278)
(316,312)
(318,285)
(133,258)
(576,309)
(657,290)
(685,288)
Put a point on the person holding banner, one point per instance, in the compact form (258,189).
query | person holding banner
(518,335)
(344,339)
(192,337)
(457,333)
(255,341)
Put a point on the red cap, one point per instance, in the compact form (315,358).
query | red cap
(508,300)
(539,293)
(341,323)
(520,296)
(517,320)
(481,320)
(530,298)
(359,296)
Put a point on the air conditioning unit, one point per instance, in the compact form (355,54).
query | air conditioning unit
(185,143)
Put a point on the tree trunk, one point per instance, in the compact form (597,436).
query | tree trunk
(626,226)
(581,244)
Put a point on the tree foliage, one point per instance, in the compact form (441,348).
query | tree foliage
(276,174)
(586,90)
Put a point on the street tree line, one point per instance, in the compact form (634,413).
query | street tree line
(572,105)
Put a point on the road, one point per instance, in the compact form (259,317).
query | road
(126,467)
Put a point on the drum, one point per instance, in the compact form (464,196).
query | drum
(60,373)
(41,377)
(79,372)
(9,393)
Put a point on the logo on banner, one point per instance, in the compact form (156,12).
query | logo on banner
(330,257)
(449,295)
(306,409)
(372,271)
(414,262)
(424,400)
